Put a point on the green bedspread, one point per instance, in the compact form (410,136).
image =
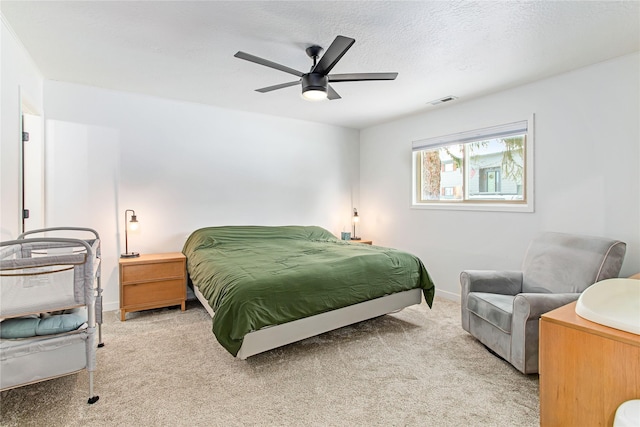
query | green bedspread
(254,276)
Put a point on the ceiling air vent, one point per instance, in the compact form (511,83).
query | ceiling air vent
(442,100)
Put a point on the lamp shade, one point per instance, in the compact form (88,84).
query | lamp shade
(133,222)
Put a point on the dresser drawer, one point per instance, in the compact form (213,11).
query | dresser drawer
(152,271)
(153,292)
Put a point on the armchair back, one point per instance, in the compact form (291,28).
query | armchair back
(567,263)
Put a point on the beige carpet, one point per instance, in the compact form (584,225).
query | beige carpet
(164,367)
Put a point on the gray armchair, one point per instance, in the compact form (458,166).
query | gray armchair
(502,308)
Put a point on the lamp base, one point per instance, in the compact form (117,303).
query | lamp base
(130,255)
(356,238)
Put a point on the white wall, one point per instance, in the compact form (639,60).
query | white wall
(587,180)
(183,166)
(19,79)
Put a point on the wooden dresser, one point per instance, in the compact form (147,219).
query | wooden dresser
(152,281)
(586,370)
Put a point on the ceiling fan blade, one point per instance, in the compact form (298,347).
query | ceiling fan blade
(332,94)
(356,77)
(337,49)
(275,87)
(267,63)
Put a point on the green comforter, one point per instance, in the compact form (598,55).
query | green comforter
(254,277)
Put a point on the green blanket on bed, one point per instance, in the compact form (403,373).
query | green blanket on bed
(254,277)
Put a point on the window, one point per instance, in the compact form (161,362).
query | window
(484,169)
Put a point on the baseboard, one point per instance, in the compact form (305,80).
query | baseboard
(110,306)
(448,295)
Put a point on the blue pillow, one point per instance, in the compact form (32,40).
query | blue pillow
(19,327)
(25,327)
(59,323)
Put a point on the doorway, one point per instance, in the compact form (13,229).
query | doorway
(32,168)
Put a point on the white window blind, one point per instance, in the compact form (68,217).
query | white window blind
(493,132)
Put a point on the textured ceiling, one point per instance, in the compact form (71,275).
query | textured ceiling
(184,49)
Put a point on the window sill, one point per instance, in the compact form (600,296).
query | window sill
(487,207)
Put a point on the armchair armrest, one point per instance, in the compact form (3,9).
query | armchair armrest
(525,326)
(534,305)
(495,282)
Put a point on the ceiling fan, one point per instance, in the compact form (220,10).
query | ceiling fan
(315,83)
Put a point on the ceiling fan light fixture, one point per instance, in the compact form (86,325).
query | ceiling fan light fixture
(314,86)
(313,94)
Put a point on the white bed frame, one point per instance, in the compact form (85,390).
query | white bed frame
(276,336)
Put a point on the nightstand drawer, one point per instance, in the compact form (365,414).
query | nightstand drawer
(153,292)
(150,272)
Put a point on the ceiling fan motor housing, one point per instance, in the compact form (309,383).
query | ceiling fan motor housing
(315,81)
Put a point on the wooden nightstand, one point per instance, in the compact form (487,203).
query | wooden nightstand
(152,281)
(364,242)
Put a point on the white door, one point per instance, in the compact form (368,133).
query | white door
(32,173)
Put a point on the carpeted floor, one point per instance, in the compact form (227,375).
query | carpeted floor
(164,367)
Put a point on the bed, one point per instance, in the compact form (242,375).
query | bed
(50,307)
(269,286)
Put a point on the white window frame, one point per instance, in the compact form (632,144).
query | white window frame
(526,205)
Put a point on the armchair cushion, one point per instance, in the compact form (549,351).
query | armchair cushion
(497,282)
(496,309)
